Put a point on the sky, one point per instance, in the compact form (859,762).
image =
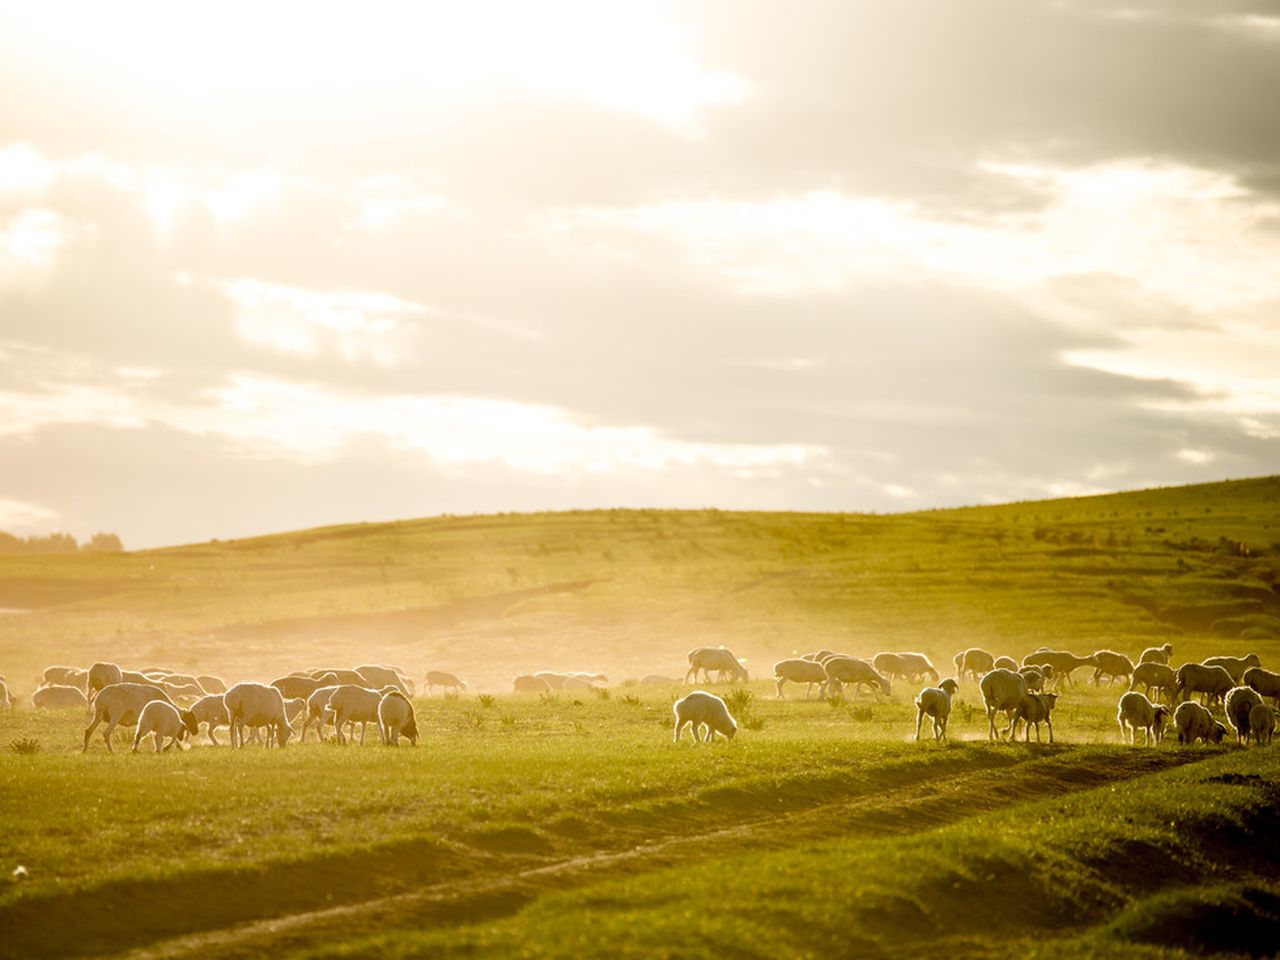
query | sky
(270,266)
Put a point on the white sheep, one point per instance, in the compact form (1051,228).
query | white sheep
(101,675)
(353,704)
(1237,705)
(799,671)
(722,661)
(1035,676)
(553,680)
(701,709)
(211,684)
(905,666)
(378,676)
(396,719)
(439,678)
(295,686)
(530,684)
(936,703)
(1262,724)
(1160,654)
(1195,722)
(1004,663)
(1136,712)
(210,709)
(256,705)
(1264,681)
(1002,692)
(1035,708)
(66,677)
(1236,666)
(842,670)
(164,720)
(1210,681)
(1062,661)
(121,704)
(317,707)
(974,662)
(57,696)
(1155,676)
(1112,665)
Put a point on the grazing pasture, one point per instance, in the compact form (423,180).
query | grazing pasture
(569,823)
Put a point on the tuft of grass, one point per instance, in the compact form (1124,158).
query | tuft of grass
(25,746)
(602,693)
(485,699)
(630,700)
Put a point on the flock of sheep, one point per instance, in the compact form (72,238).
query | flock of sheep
(171,706)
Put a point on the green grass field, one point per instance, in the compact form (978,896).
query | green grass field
(527,825)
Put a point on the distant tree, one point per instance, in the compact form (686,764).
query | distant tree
(53,543)
(104,543)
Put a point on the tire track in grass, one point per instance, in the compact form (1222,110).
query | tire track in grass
(921,804)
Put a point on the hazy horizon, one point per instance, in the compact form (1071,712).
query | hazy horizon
(264,269)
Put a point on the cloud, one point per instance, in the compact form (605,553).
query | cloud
(21,518)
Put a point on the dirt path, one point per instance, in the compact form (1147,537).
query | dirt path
(912,807)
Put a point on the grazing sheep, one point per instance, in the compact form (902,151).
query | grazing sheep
(340,676)
(210,709)
(799,671)
(843,670)
(1262,724)
(1212,683)
(438,678)
(1004,663)
(718,659)
(530,684)
(701,709)
(120,704)
(317,707)
(182,691)
(1159,654)
(1137,712)
(936,703)
(57,696)
(1061,661)
(1264,681)
(1035,676)
(379,676)
(1002,692)
(66,677)
(974,662)
(211,684)
(1236,666)
(591,678)
(102,675)
(554,681)
(1112,665)
(1155,676)
(818,655)
(1035,708)
(256,705)
(291,687)
(1238,704)
(1195,722)
(352,704)
(904,666)
(397,719)
(164,720)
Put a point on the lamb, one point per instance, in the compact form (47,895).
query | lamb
(164,720)
(120,704)
(799,671)
(1155,676)
(291,687)
(1004,663)
(1035,708)
(1236,666)
(317,705)
(66,677)
(57,696)
(906,666)
(1238,704)
(1002,691)
(842,670)
(353,704)
(1262,724)
(1211,682)
(936,702)
(396,718)
(210,709)
(1195,722)
(1063,663)
(1112,665)
(1160,654)
(438,678)
(377,675)
(718,659)
(1264,681)
(1035,676)
(101,675)
(974,662)
(211,684)
(701,709)
(256,705)
(530,684)
(1136,711)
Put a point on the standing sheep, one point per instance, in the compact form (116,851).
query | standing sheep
(904,666)
(378,676)
(1264,681)
(936,703)
(844,670)
(1035,676)
(722,661)
(164,720)
(120,704)
(396,718)
(1112,665)
(1004,663)
(211,684)
(1137,712)
(101,675)
(1211,682)
(1238,704)
(353,704)
(56,696)
(1062,662)
(799,671)
(1035,708)
(1155,676)
(211,710)
(1195,722)
(1262,724)
(530,684)
(256,705)
(1159,654)
(1002,692)
(438,678)
(66,677)
(1236,666)
(317,711)
(974,662)
(701,709)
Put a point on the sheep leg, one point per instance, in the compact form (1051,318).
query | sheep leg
(940,728)
(778,685)
(676,738)
(363,724)
(212,738)
(1049,723)
(106,735)
(919,721)
(137,739)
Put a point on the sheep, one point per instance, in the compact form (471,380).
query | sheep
(396,719)
(1264,681)
(974,662)
(842,670)
(799,671)
(1237,705)
(818,655)
(554,681)
(1210,682)
(57,696)
(936,702)
(1136,711)
(1063,663)
(1160,654)
(438,678)
(377,675)
(137,676)
(66,677)
(183,691)
(1002,691)
(120,704)
(164,720)
(353,704)
(1004,663)
(101,675)
(210,709)
(1195,722)
(1035,708)
(291,687)
(317,705)
(1155,676)
(718,659)
(256,705)
(530,684)
(340,676)
(906,666)
(1035,676)
(578,683)
(1112,665)
(701,709)
(1236,666)
(1262,724)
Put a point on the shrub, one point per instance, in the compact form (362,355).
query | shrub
(25,745)
(486,699)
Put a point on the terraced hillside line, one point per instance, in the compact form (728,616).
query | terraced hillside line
(908,809)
